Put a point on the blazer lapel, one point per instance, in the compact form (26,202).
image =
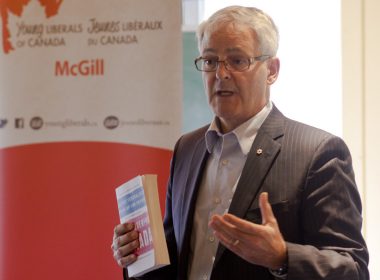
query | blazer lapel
(189,195)
(259,161)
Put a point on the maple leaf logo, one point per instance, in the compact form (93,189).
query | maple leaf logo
(16,7)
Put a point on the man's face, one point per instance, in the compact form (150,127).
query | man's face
(235,97)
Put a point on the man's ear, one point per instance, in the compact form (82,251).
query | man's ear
(273,69)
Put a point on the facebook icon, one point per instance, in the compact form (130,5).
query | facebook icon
(19,123)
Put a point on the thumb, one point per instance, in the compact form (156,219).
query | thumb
(266,209)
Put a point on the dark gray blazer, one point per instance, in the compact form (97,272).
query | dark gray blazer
(309,177)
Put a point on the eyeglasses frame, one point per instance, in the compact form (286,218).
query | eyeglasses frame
(252,60)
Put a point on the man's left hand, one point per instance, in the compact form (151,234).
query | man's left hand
(258,244)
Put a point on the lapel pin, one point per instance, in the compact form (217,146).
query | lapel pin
(259,152)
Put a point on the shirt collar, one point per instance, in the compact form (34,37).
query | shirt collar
(245,133)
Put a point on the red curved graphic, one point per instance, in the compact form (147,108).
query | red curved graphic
(58,206)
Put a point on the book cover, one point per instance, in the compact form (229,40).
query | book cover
(138,203)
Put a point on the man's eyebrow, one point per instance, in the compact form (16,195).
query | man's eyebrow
(228,50)
(209,50)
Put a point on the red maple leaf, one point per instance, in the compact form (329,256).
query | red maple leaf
(16,7)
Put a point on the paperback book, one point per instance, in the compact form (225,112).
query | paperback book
(138,203)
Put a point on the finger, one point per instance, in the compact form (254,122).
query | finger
(218,223)
(266,209)
(122,240)
(242,225)
(120,230)
(231,242)
(126,250)
(128,260)
(123,229)
(227,240)
(222,229)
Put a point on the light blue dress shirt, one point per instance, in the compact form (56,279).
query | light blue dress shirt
(228,153)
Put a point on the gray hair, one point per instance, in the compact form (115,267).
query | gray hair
(261,23)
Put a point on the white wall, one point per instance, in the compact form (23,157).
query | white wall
(309,85)
(361,112)
(372,129)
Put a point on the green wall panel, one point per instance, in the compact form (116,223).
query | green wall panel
(196,112)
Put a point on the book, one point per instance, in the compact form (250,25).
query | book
(138,202)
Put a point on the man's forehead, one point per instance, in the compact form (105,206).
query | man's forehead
(229,46)
(228,38)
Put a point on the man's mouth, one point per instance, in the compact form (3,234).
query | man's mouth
(224,93)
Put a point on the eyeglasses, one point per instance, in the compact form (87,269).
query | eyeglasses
(231,63)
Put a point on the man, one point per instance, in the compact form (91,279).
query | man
(219,223)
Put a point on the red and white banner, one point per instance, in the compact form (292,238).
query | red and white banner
(90,96)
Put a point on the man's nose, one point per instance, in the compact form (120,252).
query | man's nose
(221,71)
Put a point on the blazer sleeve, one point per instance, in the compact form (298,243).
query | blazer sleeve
(332,245)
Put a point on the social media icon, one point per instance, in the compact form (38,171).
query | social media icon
(36,123)
(3,123)
(19,122)
(111,122)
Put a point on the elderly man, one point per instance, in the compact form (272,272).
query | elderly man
(254,195)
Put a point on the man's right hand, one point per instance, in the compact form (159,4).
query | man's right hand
(125,242)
